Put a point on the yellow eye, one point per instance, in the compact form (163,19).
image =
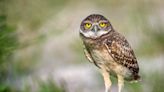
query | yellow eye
(102,24)
(87,25)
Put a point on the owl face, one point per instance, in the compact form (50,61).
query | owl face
(94,26)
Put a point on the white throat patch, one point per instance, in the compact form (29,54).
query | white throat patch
(91,34)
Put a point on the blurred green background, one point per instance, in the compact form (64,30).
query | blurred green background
(40,48)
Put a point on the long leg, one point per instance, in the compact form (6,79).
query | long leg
(107,80)
(120,82)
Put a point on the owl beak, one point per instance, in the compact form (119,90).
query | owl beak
(95,29)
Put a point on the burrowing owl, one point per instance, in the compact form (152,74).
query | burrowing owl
(108,50)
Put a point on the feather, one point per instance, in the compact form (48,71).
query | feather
(121,52)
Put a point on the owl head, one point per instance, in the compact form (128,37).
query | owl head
(94,26)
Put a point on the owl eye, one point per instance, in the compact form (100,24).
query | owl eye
(102,24)
(87,25)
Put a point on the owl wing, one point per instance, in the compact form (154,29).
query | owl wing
(120,50)
(88,55)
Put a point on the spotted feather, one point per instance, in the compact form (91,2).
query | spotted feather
(121,52)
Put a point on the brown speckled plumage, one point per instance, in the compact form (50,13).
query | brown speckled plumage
(110,51)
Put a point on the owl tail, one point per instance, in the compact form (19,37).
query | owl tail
(136,78)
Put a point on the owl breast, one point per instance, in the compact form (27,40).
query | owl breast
(103,59)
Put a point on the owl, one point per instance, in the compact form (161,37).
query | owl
(108,50)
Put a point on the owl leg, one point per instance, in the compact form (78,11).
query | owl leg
(107,80)
(120,82)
